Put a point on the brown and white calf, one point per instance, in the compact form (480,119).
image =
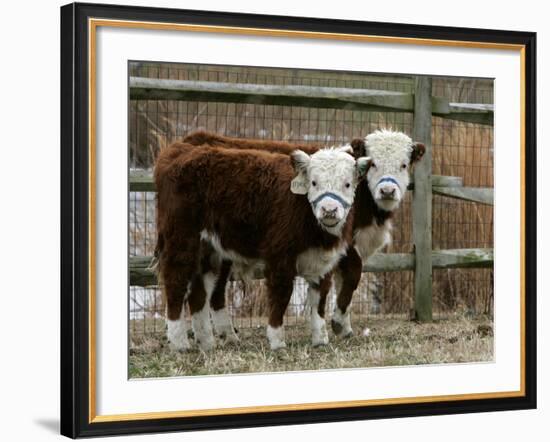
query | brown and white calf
(239,204)
(392,154)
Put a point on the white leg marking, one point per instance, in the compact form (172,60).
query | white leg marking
(177,333)
(319,335)
(220,318)
(343,321)
(222,324)
(202,327)
(340,322)
(276,337)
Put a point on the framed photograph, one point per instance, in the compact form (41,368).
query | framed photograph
(273,220)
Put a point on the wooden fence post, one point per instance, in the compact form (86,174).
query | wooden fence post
(422,201)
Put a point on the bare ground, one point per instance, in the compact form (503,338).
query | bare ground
(391,342)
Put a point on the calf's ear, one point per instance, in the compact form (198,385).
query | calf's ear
(359,147)
(417,152)
(300,162)
(363,164)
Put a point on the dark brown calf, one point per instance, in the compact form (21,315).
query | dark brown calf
(238,202)
(371,223)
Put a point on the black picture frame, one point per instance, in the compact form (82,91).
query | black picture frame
(75,194)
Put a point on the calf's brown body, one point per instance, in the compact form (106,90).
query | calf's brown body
(239,200)
(366,215)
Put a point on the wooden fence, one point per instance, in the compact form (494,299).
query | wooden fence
(422,104)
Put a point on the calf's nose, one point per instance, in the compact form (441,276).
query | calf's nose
(329,212)
(387,191)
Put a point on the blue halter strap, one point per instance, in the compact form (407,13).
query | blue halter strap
(333,196)
(389,179)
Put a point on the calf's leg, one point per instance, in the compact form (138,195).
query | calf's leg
(317,296)
(279,287)
(199,307)
(347,277)
(220,316)
(177,267)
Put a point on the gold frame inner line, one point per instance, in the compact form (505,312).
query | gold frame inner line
(93,24)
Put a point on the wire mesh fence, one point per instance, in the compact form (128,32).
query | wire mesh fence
(459,149)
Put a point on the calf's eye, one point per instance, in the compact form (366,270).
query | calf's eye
(403,166)
(347,185)
(313,183)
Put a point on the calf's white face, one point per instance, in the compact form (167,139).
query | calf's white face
(392,155)
(329,178)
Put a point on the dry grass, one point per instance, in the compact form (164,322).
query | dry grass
(392,342)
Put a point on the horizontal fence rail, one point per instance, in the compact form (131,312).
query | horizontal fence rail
(449,186)
(308,96)
(141,273)
(482,195)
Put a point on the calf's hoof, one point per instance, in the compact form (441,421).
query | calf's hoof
(276,337)
(320,340)
(179,347)
(277,346)
(206,344)
(336,327)
(341,330)
(229,336)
